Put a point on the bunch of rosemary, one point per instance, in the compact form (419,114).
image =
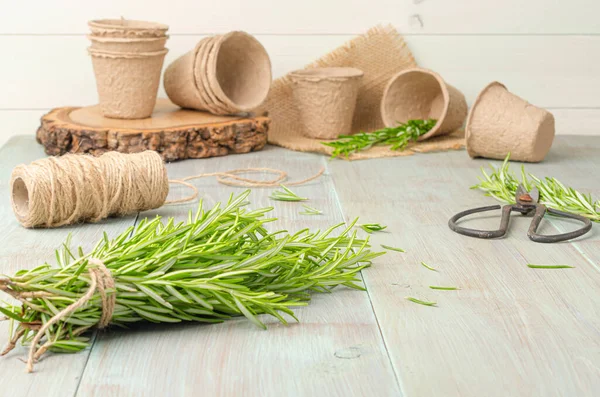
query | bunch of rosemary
(222,262)
(397,137)
(502,184)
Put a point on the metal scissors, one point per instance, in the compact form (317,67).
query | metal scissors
(527,203)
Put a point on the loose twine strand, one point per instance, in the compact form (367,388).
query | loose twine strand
(231,178)
(100,280)
(59,191)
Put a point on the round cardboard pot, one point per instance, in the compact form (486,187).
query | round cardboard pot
(223,74)
(239,71)
(127,28)
(423,94)
(326,98)
(500,123)
(133,44)
(127,83)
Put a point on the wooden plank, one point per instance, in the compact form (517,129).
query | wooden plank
(510,330)
(20,248)
(336,349)
(313,16)
(531,69)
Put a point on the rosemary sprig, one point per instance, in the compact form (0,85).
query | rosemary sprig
(549,266)
(372,227)
(502,185)
(308,210)
(428,267)
(286,195)
(222,262)
(421,302)
(387,247)
(396,137)
(444,288)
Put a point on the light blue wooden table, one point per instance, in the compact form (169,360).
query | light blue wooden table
(509,331)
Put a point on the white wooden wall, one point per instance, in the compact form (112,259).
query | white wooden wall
(547,51)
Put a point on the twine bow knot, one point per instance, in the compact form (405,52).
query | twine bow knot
(100,280)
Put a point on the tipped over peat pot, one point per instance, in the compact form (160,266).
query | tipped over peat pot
(223,74)
(501,122)
(326,99)
(422,94)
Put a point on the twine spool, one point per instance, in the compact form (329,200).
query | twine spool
(74,188)
(57,191)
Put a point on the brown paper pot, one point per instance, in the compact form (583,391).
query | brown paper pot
(133,44)
(223,74)
(127,28)
(500,123)
(326,99)
(127,83)
(239,71)
(423,94)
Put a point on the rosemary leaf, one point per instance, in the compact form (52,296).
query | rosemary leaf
(396,137)
(549,266)
(372,227)
(444,288)
(286,195)
(310,210)
(421,302)
(387,247)
(428,267)
(502,185)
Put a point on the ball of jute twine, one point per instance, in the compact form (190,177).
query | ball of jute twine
(57,191)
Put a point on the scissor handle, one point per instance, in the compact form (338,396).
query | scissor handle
(482,233)
(541,210)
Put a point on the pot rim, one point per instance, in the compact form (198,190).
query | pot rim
(443,86)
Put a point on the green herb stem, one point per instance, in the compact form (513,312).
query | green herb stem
(222,262)
(444,288)
(396,137)
(387,247)
(502,184)
(428,267)
(310,210)
(372,227)
(421,302)
(286,195)
(549,266)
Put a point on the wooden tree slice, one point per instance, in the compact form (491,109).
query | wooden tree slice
(173,132)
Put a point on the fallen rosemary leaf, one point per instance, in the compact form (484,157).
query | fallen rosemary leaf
(372,227)
(387,247)
(502,185)
(286,195)
(222,262)
(444,288)
(549,266)
(396,137)
(310,210)
(428,267)
(421,302)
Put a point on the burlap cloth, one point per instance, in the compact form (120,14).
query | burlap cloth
(380,54)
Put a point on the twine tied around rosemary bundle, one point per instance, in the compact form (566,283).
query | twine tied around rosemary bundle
(59,191)
(101,281)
